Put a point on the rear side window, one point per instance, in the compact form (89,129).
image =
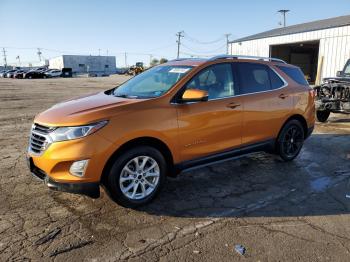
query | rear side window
(253,78)
(276,81)
(295,74)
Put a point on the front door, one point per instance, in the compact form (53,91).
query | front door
(213,126)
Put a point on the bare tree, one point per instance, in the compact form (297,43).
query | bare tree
(163,60)
(154,62)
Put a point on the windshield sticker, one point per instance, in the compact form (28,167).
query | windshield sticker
(179,70)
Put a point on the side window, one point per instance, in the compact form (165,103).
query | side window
(276,81)
(217,80)
(295,74)
(347,69)
(253,78)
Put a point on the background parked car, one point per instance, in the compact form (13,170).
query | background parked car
(34,74)
(67,72)
(9,73)
(2,72)
(53,73)
(19,74)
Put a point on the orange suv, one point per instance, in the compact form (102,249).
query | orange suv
(185,113)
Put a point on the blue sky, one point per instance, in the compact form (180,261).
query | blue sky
(143,27)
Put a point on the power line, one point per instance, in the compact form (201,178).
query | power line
(179,36)
(188,37)
(207,51)
(195,55)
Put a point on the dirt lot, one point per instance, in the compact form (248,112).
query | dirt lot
(278,211)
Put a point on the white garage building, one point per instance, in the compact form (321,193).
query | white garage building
(319,48)
(85,63)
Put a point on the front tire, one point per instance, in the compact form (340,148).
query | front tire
(290,140)
(322,116)
(136,176)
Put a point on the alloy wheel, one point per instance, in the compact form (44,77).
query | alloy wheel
(139,177)
(292,141)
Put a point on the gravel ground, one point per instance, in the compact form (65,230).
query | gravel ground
(278,211)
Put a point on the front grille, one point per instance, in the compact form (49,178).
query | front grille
(42,129)
(39,141)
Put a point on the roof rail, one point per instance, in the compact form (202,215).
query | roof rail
(247,57)
(178,59)
(188,58)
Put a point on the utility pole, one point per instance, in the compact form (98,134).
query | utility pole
(283,12)
(227,43)
(39,54)
(5,58)
(150,59)
(99,52)
(179,35)
(19,60)
(126,59)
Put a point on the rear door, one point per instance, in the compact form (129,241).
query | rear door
(267,101)
(213,126)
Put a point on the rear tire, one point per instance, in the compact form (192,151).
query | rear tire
(290,140)
(322,116)
(136,176)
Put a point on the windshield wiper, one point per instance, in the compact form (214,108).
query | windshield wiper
(121,95)
(125,96)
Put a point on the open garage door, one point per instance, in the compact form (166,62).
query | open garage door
(302,54)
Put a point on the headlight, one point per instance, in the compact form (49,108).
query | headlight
(74,132)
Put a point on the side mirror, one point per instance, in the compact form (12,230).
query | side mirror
(339,73)
(194,95)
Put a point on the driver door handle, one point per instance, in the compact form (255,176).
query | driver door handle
(233,105)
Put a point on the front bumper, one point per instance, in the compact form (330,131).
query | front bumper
(90,189)
(58,157)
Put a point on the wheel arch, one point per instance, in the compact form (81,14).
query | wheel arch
(141,141)
(301,119)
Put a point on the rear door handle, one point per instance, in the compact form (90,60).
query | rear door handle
(233,105)
(283,96)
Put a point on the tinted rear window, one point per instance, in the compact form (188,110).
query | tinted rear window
(253,78)
(276,81)
(295,74)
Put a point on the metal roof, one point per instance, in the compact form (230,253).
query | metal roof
(300,28)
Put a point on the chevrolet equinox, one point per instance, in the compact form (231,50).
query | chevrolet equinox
(185,113)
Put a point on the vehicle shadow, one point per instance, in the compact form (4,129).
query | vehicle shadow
(339,120)
(263,185)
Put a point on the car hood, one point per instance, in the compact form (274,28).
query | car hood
(83,110)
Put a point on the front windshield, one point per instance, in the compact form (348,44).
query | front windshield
(152,83)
